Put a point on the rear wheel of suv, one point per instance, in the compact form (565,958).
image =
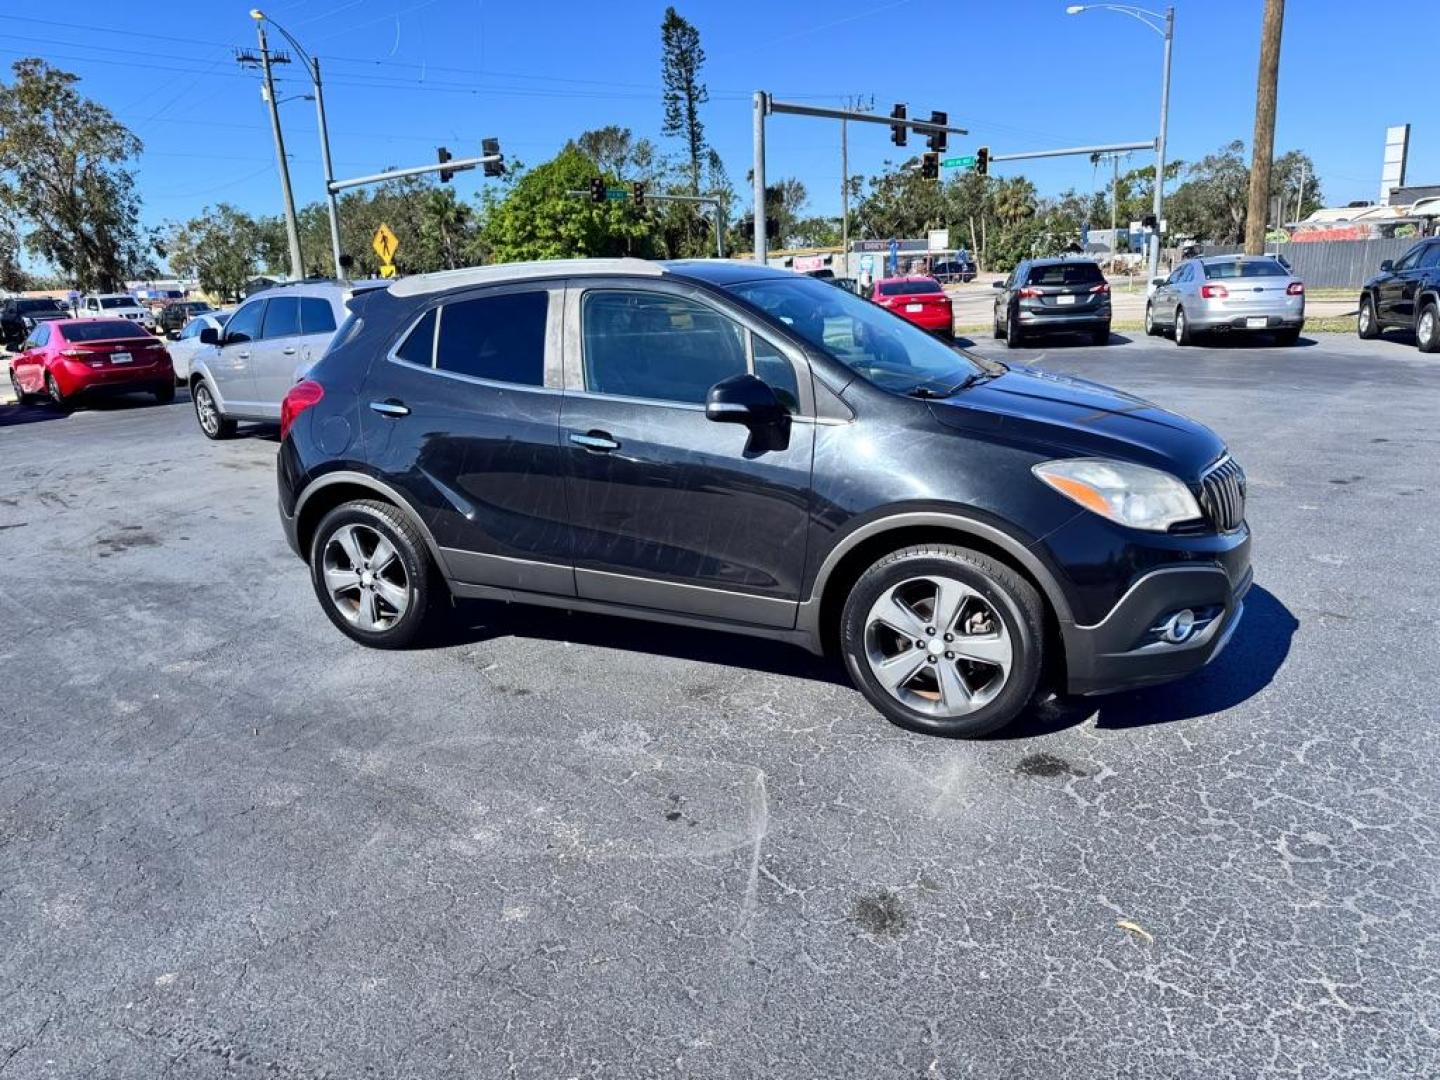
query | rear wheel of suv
(372,574)
(1427,328)
(1366,324)
(944,640)
(213,424)
(1183,334)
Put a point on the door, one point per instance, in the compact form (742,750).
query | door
(276,354)
(317,327)
(29,362)
(229,363)
(1397,290)
(672,511)
(463,417)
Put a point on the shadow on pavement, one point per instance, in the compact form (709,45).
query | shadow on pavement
(1248,664)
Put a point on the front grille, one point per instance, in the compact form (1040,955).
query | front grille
(1222,495)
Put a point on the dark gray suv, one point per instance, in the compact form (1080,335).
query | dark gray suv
(1048,296)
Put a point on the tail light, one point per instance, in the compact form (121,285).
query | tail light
(1214,292)
(78,354)
(1103,288)
(1029,293)
(1295,288)
(302,395)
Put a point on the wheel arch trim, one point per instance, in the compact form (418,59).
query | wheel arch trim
(351,478)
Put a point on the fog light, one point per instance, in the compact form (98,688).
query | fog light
(1178,627)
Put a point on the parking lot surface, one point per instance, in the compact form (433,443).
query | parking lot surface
(234,843)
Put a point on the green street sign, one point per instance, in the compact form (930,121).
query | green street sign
(616,194)
(966,162)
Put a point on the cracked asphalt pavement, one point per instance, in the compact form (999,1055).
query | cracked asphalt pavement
(235,844)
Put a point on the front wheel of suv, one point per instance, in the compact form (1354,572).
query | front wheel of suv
(372,574)
(943,640)
(213,423)
(1367,326)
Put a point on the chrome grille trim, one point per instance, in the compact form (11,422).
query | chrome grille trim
(1222,494)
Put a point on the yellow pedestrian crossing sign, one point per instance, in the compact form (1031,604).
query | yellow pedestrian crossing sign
(385,244)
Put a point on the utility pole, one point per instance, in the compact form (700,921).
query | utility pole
(1115,206)
(1264,148)
(855,104)
(762,106)
(292,232)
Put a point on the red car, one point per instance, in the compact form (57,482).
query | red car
(68,358)
(919,300)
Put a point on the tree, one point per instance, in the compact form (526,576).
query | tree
(12,276)
(64,174)
(1211,203)
(223,248)
(443,225)
(681,58)
(616,150)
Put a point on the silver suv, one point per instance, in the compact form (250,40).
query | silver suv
(244,371)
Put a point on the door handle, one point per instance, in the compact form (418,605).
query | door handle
(243,355)
(391,408)
(289,351)
(599,441)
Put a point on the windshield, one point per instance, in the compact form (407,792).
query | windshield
(1258,268)
(116,301)
(103,330)
(882,348)
(910,287)
(30,307)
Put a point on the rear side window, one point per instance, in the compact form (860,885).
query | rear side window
(316,315)
(1076,273)
(418,348)
(1257,268)
(501,338)
(282,317)
(104,330)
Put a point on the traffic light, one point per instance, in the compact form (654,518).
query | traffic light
(898,131)
(597,189)
(637,193)
(982,161)
(491,148)
(930,167)
(443,155)
(937,139)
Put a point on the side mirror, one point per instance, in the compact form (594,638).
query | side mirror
(173,335)
(743,399)
(1387,265)
(997,284)
(210,336)
(1157,281)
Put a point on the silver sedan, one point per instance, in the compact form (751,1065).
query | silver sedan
(1254,293)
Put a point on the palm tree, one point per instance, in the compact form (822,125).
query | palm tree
(443,218)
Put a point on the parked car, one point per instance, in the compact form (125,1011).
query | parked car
(20,314)
(1405,294)
(68,359)
(1049,296)
(919,300)
(1227,294)
(188,343)
(174,315)
(116,306)
(264,348)
(849,284)
(954,270)
(735,447)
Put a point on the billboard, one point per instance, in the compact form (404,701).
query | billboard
(1397,150)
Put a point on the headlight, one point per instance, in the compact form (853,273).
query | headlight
(1132,495)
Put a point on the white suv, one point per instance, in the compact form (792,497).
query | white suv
(116,306)
(244,371)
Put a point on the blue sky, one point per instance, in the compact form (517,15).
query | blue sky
(404,76)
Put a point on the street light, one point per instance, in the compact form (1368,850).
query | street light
(312,67)
(1164,25)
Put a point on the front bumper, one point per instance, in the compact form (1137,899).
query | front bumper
(1122,651)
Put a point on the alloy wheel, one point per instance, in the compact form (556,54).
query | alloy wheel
(1427,329)
(937,646)
(365,578)
(205,411)
(1366,317)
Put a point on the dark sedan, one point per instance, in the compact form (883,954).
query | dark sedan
(173,317)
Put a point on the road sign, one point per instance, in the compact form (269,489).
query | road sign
(387,270)
(967,161)
(616,194)
(385,244)
(938,240)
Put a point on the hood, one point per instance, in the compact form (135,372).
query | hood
(1060,413)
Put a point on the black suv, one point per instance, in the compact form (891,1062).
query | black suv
(19,314)
(724,445)
(1405,295)
(1044,296)
(174,316)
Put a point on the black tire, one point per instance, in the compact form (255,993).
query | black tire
(1427,328)
(1009,595)
(1152,328)
(221,427)
(165,394)
(999,330)
(1101,336)
(1014,338)
(422,585)
(1183,334)
(1286,338)
(57,396)
(1367,322)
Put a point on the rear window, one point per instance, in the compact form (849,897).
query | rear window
(103,330)
(909,288)
(1076,273)
(1255,268)
(117,301)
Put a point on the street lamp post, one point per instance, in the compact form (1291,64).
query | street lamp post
(312,67)
(1164,25)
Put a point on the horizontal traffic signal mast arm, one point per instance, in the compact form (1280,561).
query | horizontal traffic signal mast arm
(794,109)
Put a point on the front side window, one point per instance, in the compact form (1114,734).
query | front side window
(881,347)
(1410,258)
(282,317)
(660,347)
(1431,256)
(244,325)
(39,336)
(500,338)
(316,315)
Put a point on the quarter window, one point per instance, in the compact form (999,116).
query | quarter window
(656,346)
(772,368)
(316,315)
(282,317)
(501,338)
(419,347)
(245,324)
